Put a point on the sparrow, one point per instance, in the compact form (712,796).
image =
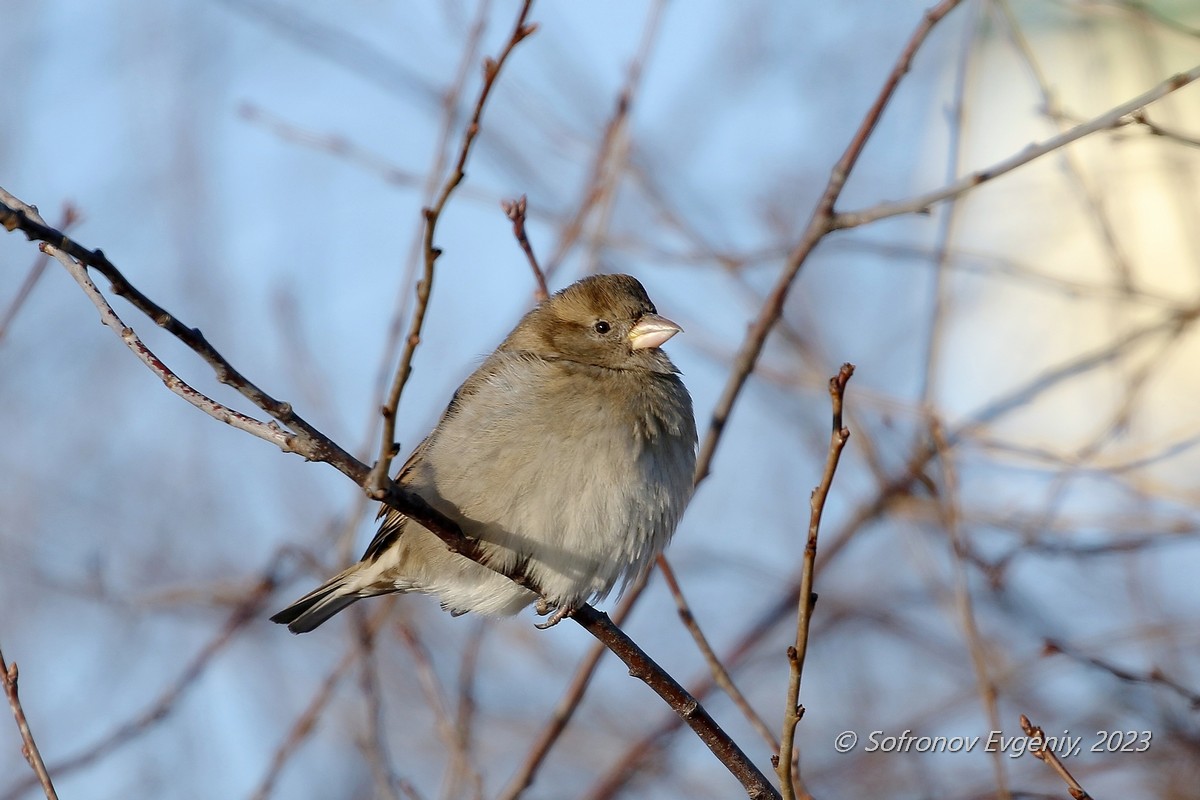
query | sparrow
(569,453)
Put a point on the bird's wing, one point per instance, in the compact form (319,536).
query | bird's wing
(393,521)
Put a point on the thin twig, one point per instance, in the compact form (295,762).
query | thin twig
(1047,755)
(458,766)
(305,724)
(951,521)
(29,748)
(378,479)
(1003,11)
(822,221)
(464,717)
(601,181)
(793,711)
(566,707)
(374,746)
(70,216)
(719,672)
(1109,119)
(1155,676)
(130,730)
(644,668)
(318,447)
(515,211)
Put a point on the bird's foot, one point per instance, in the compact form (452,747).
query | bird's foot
(560,613)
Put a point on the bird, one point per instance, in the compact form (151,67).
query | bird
(568,454)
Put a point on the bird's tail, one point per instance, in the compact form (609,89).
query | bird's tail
(319,605)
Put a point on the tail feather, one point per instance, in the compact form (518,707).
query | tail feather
(317,606)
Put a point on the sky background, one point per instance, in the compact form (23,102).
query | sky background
(258,168)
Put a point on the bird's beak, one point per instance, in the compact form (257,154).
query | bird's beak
(651,331)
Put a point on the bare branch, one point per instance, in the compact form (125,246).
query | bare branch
(1109,119)
(318,447)
(1047,755)
(29,748)
(793,711)
(822,221)
(378,479)
(515,211)
(642,667)
(720,673)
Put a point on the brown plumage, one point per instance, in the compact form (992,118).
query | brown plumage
(569,451)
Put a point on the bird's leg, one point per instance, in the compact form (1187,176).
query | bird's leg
(560,613)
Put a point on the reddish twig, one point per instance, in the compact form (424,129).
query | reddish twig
(459,767)
(515,211)
(127,732)
(719,672)
(70,216)
(565,710)
(1043,753)
(378,479)
(822,221)
(642,667)
(951,521)
(29,748)
(1109,119)
(793,711)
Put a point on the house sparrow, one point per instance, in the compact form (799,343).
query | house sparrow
(570,452)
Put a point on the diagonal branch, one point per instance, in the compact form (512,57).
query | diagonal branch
(378,479)
(315,446)
(822,221)
(1112,118)
(29,748)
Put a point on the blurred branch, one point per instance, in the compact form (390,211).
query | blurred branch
(719,672)
(793,711)
(1008,22)
(29,748)
(125,733)
(601,184)
(952,523)
(378,480)
(1154,676)
(922,203)
(822,221)
(1141,118)
(1047,755)
(1149,11)
(459,766)
(315,446)
(565,710)
(70,215)
(304,725)
(515,211)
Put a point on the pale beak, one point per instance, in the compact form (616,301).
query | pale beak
(651,331)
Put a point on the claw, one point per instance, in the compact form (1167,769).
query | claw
(542,607)
(560,613)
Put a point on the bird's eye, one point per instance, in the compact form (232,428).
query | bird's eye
(601,327)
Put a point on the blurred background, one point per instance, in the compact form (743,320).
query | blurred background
(1015,527)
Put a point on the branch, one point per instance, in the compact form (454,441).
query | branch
(29,748)
(822,221)
(378,479)
(515,211)
(793,711)
(315,446)
(1109,119)
(642,667)
(1047,755)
